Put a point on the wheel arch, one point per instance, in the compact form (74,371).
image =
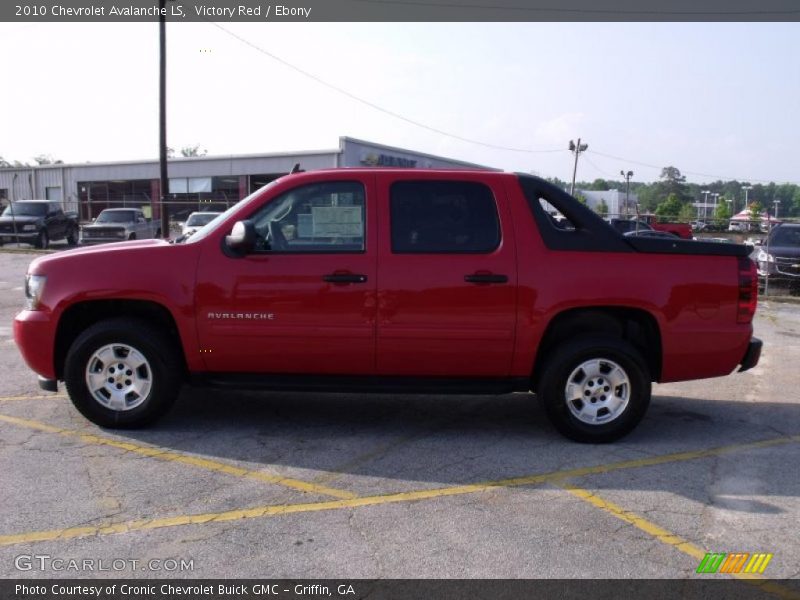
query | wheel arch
(78,317)
(636,326)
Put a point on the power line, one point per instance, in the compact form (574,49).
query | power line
(376,106)
(415,123)
(719,177)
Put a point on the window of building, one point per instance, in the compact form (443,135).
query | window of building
(323,217)
(443,217)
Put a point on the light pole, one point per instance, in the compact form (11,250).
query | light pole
(775,203)
(627,177)
(746,189)
(576,149)
(705,204)
(714,214)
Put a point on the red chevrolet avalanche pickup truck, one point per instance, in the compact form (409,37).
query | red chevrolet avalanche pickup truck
(393,280)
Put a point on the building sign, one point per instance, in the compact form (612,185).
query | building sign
(373,159)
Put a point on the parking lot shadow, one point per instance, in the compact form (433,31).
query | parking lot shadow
(411,442)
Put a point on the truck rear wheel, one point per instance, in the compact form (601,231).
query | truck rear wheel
(72,236)
(122,373)
(595,389)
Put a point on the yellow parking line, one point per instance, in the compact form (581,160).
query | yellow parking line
(44,397)
(670,539)
(195,461)
(285,509)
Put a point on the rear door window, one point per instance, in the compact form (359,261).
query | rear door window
(456,217)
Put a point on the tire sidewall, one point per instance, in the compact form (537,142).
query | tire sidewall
(165,379)
(43,241)
(566,360)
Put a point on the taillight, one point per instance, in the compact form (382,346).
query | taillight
(748,291)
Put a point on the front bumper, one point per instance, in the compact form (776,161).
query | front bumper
(19,238)
(34,333)
(752,355)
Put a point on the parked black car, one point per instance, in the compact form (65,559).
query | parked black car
(626,225)
(37,222)
(779,256)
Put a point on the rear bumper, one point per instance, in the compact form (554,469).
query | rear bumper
(752,354)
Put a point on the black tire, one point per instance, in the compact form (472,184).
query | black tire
(164,372)
(72,236)
(132,236)
(43,241)
(563,368)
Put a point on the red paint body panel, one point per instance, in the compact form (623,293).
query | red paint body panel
(414,316)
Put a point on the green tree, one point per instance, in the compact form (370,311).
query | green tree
(581,198)
(195,150)
(669,208)
(687,214)
(723,212)
(47,159)
(755,209)
(600,185)
(601,208)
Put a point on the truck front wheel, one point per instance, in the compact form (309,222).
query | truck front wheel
(595,389)
(43,240)
(122,373)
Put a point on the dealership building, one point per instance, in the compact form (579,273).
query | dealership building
(195,183)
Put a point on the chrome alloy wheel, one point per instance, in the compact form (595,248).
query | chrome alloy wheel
(119,377)
(597,391)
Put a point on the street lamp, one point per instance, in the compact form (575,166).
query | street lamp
(775,203)
(627,177)
(746,189)
(705,204)
(576,149)
(715,204)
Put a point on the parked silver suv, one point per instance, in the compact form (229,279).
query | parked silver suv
(117,225)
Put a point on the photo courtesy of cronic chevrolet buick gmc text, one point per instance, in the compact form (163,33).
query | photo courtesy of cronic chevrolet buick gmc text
(393,280)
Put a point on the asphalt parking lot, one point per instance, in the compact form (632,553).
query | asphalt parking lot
(308,485)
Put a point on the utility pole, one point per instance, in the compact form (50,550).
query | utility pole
(627,177)
(162,120)
(576,149)
(705,204)
(775,203)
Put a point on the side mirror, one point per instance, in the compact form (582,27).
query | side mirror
(242,238)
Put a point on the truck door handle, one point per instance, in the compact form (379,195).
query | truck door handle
(344,278)
(486,278)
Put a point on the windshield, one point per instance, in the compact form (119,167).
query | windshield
(786,236)
(200,219)
(116,216)
(214,223)
(26,209)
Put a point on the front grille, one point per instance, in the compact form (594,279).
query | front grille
(110,233)
(788,266)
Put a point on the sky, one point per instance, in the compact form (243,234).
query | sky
(717,101)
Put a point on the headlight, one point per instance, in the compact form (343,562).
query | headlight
(34,287)
(30,227)
(121,233)
(764,257)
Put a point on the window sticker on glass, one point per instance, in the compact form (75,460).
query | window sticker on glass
(336,221)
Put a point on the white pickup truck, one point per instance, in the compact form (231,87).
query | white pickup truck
(119,224)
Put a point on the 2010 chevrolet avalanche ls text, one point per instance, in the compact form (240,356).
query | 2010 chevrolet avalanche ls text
(393,280)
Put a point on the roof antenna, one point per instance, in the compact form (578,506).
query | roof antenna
(296,169)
